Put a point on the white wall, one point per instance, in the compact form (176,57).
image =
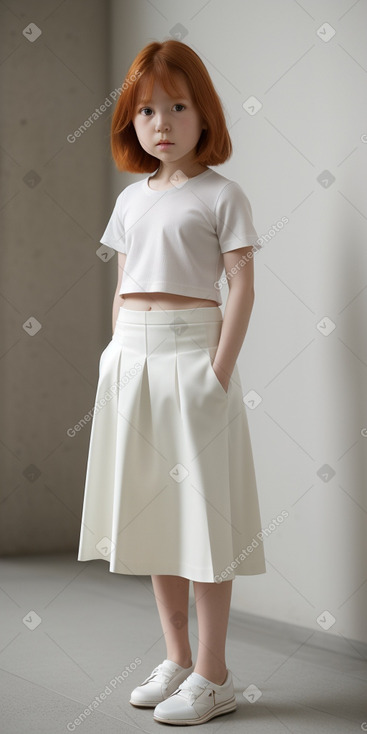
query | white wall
(313,387)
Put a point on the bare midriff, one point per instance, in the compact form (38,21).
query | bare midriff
(157,301)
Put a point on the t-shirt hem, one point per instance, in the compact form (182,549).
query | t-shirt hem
(164,287)
(228,247)
(115,246)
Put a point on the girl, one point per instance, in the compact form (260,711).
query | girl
(170,484)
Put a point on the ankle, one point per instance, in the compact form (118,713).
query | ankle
(183,662)
(217,675)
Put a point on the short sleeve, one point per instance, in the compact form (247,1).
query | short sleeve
(233,215)
(114,234)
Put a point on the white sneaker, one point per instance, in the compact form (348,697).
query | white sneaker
(159,685)
(197,700)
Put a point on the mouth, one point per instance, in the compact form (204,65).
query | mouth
(164,143)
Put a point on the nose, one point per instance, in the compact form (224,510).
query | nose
(160,128)
(160,124)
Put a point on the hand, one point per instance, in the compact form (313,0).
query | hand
(221,376)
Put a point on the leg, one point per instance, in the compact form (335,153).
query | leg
(212,608)
(172,598)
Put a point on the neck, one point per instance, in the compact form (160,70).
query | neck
(164,174)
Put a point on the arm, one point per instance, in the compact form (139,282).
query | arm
(118,300)
(237,313)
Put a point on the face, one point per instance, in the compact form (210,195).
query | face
(171,118)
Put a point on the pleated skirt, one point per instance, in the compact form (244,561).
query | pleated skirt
(170,484)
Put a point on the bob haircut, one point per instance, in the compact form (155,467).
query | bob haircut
(166,63)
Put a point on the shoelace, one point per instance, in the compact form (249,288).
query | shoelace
(158,671)
(190,690)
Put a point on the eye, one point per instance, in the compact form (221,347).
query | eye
(178,104)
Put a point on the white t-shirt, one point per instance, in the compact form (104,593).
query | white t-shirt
(174,239)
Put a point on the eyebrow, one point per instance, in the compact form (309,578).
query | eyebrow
(144,101)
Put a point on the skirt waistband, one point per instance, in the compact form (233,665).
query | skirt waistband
(170,316)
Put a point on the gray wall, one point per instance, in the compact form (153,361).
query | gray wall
(312,386)
(55,199)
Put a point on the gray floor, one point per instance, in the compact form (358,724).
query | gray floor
(94,624)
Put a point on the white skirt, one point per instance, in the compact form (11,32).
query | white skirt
(170,484)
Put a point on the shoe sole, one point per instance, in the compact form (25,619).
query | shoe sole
(221,708)
(146,705)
